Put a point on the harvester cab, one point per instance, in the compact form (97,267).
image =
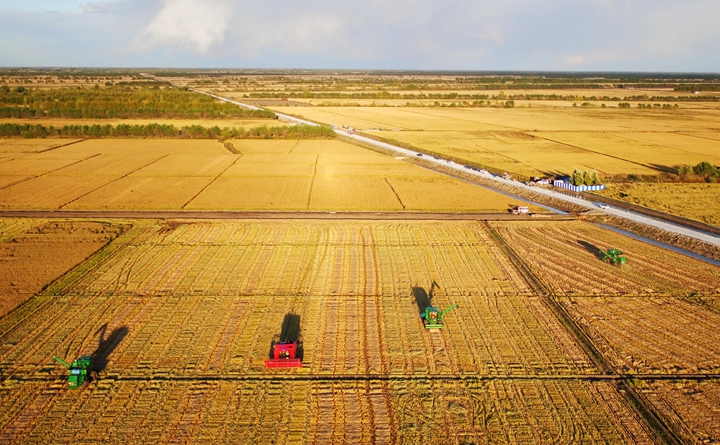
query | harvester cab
(433,317)
(614,256)
(284,355)
(80,371)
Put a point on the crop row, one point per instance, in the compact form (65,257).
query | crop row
(650,334)
(307,258)
(226,335)
(691,407)
(567,257)
(322,412)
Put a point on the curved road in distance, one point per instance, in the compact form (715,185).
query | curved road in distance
(635,217)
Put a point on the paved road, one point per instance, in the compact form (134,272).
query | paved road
(635,217)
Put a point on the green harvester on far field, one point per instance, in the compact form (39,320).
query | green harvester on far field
(79,371)
(614,256)
(432,317)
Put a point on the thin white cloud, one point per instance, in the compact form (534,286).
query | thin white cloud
(199,24)
(99,7)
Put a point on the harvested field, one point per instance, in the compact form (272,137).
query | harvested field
(181,315)
(693,408)
(34,252)
(651,335)
(325,412)
(566,257)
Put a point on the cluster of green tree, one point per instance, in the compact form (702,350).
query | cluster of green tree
(664,106)
(699,87)
(703,170)
(580,177)
(674,98)
(165,131)
(121,103)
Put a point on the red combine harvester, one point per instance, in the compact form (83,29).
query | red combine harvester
(284,356)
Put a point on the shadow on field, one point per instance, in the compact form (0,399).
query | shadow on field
(289,332)
(592,248)
(423,299)
(106,346)
(664,168)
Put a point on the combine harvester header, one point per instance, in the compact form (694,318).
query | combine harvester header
(284,356)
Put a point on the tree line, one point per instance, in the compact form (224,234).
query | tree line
(118,103)
(9,130)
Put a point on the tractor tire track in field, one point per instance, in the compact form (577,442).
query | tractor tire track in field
(659,426)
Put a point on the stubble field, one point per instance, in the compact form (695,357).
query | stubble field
(180,315)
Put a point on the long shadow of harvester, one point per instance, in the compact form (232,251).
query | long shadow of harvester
(592,249)
(423,299)
(289,332)
(106,346)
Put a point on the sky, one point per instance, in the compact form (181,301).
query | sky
(552,35)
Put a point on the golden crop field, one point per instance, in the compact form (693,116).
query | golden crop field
(181,315)
(541,142)
(202,175)
(566,257)
(698,201)
(35,252)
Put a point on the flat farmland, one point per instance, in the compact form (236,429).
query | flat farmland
(566,257)
(203,175)
(651,335)
(540,142)
(180,316)
(693,408)
(9,147)
(317,412)
(35,252)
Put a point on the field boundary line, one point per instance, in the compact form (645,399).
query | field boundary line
(271,215)
(61,146)
(668,170)
(394,192)
(209,184)
(654,421)
(48,172)
(312,181)
(293,148)
(114,180)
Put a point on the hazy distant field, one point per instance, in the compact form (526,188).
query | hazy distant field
(534,142)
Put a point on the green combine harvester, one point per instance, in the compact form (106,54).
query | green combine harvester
(79,371)
(614,256)
(433,318)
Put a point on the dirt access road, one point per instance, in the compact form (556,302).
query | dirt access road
(209,215)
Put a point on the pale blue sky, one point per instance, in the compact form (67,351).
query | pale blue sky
(577,35)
